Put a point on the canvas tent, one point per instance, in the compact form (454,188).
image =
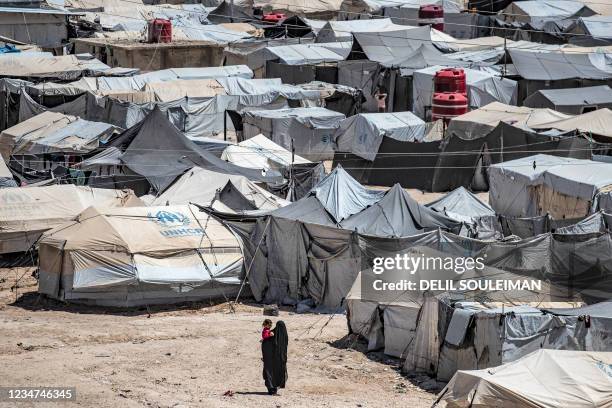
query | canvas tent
(595,123)
(206,188)
(483,88)
(65,67)
(570,100)
(259,152)
(25,213)
(591,31)
(362,134)
(572,379)
(462,205)
(478,122)
(310,131)
(541,184)
(139,256)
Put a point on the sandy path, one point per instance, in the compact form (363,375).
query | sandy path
(186,356)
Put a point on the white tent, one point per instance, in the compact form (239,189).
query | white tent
(541,11)
(25,213)
(140,255)
(259,152)
(542,379)
(207,188)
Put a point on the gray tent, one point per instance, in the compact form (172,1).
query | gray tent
(572,101)
(310,131)
(160,152)
(363,134)
(540,184)
(398,215)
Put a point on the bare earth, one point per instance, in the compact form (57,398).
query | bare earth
(186,356)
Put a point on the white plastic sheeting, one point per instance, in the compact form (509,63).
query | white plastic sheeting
(551,66)
(301,54)
(259,152)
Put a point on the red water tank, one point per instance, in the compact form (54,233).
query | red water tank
(433,15)
(274,17)
(447,105)
(450,80)
(160,31)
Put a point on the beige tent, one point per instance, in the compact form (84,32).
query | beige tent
(140,255)
(479,122)
(181,88)
(25,213)
(544,378)
(598,122)
(207,188)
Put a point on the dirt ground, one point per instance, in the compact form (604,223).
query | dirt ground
(186,356)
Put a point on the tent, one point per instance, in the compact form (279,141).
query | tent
(158,151)
(595,123)
(541,184)
(591,31)
(571,100)
(462,205)
(65,67)
(54,133)
(543,379)
(261,153)
(483,88)
(303,54)
(478,122)
(25,213)
(206,188)
(397,214)
(337,197)
(362,134)
(310,131)
(538,12)
(397,319)
(139,256)
(557,66)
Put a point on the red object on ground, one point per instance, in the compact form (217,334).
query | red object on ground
(450,80)
(447,105)
(160,31)
(274,17)
(433,15)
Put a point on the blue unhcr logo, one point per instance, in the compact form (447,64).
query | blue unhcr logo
(170,218)
(174,224)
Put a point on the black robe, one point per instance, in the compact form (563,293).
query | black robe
(274,351)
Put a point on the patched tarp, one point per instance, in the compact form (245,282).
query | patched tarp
(362,134)
(160,152)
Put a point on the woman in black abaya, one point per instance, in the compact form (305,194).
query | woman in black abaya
(274,350)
